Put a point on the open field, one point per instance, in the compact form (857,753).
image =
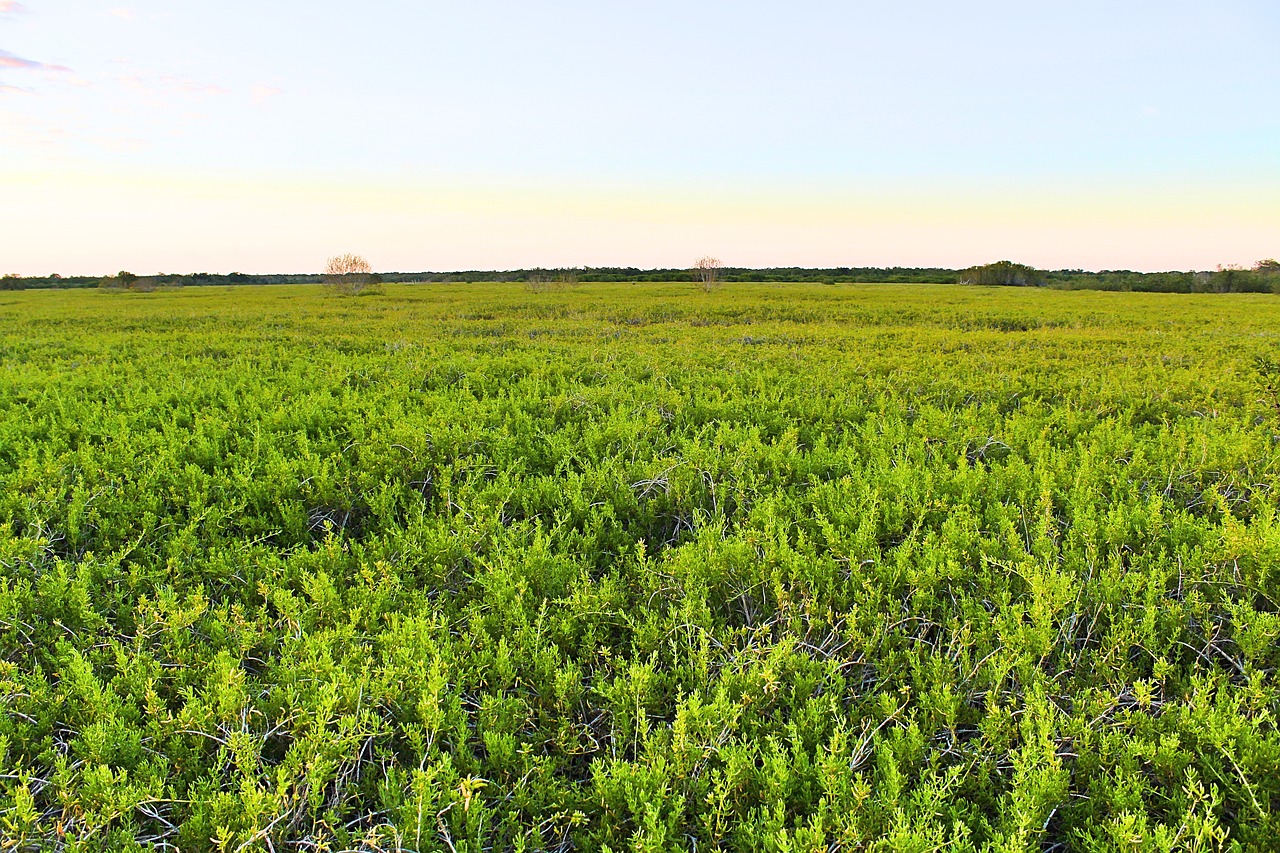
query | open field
(773,568)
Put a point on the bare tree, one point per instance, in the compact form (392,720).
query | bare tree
(541,281)
(538,281)
(351,275)
(708,271)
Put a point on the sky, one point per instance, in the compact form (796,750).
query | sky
(492,134)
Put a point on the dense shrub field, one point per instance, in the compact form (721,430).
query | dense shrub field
(638,567)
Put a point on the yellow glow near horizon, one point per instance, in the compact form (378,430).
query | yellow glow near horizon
(91,223)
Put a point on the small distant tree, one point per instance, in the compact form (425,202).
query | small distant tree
(1003,273)
(708,271)
(122,280)
(1268,274)
(1225,278)
(1233,278)
(351,275)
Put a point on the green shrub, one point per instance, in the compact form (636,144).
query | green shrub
(1003,273)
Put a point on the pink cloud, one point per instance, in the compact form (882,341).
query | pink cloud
(11,6)
(8,60)
(261,94)
(131,81)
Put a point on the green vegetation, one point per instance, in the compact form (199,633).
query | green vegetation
(619,567)
(125,280)
(1263,278)
(1003,274)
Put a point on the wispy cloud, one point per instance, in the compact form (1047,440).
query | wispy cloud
(123,13)
(39,137)
(157,87)
(69,135)
(192,87)
(8,60)
(261,94)
(11,7)
(15,90)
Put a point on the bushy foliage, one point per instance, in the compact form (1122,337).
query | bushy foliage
(1004,274)
(1260,279)
(784,568)
(125,280)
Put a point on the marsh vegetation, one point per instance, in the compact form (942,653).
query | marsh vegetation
(766,568)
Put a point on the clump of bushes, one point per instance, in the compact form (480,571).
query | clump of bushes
(125,280)
(1263,277)
(122,280)
(1003,273)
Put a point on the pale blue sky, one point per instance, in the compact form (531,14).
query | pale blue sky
(172,135)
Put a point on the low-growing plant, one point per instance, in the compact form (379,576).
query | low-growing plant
(812,567)
(1268,371)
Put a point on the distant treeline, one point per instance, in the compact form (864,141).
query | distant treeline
(1257,280)
(1263,278)
(582,274)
